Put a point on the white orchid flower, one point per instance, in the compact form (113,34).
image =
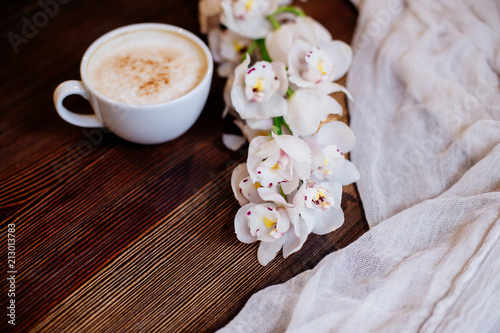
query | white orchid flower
(263,222)
(258,92)
(270,224)
(228,48)
(328,147)
(279,41)
(248,17)
(244,189)
(307,108)
(317,66)
(299,228)
(208,14)
(319,205)
(279,160)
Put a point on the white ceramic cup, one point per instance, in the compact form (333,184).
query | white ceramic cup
(144,124)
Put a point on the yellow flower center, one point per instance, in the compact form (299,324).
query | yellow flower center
(268,222)
(319,199)
(319,194)
(258,86)
(320,67)
(248,5)
(238,47)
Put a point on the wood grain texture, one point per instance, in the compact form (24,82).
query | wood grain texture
(116,237)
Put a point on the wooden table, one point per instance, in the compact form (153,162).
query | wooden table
(112,236)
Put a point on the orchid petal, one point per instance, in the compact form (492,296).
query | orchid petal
(346,175)
(289,187)
(326,222)
(268,194)
(247,23)
(312,31)
(307,108)
(280,72)
(283,223)
(239,173)
(278,42)
(268,148)
(237,92)
(335,190)
(241,225)
(275,106)
(338,133)
(309,219)
(317,157)
(260,124)
(332,87)
(298,199)
(293,243)
(296,148)
(267,250)
(341,54)
(252,161)
(233,142)
(250,133)
(227,96)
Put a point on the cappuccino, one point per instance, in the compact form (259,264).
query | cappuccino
(147,67)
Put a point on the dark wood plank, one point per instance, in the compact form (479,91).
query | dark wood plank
(113,236)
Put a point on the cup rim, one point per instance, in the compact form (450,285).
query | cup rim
(146,26)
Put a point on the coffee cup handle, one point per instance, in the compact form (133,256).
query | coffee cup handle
(74,87)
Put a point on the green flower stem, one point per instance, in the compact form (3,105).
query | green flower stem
(252,47)
(290,9)
(286,126)
(289,92)
(283,193)
(278,123)
(274,22)
(263,50)
(250,50)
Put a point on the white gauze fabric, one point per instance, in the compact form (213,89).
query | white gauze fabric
(426,112)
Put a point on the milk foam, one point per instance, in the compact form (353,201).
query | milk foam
(147,67)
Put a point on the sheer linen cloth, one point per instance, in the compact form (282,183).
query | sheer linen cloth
(426,112)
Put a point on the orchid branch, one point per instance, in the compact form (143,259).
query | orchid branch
(290,9)
(274,22)
(283,194)
(250,50)
(263,50)
(278,123)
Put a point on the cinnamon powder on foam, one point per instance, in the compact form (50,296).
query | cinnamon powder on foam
(147,67)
